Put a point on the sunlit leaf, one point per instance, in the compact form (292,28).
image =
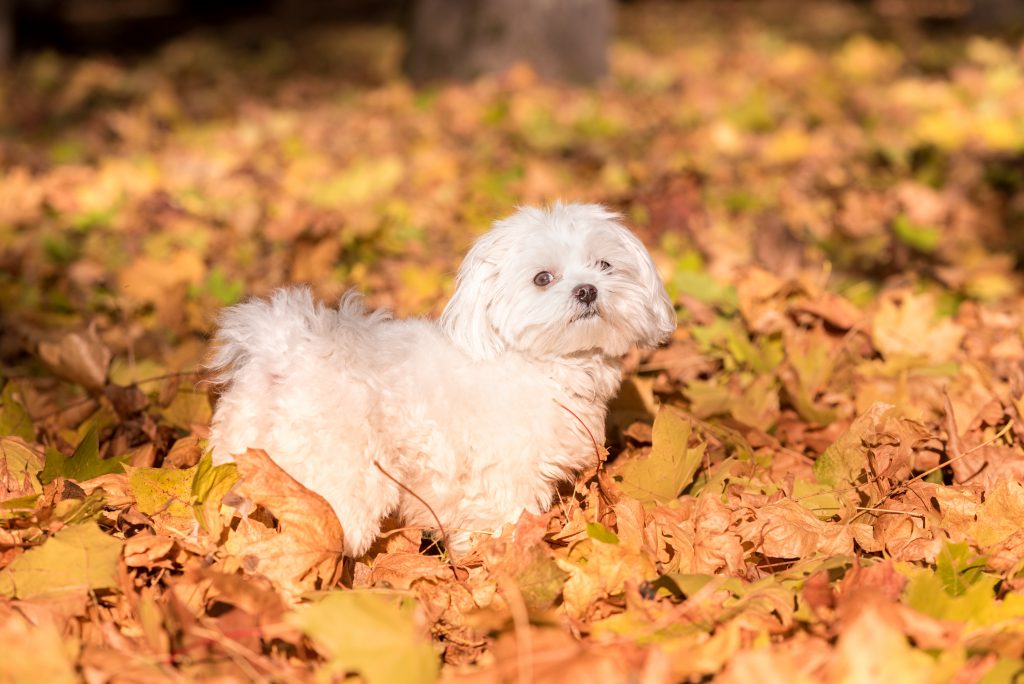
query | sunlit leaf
(188,408)
(36,653)
(163,491)
(209,486)
(370,634)
(671,465)
(78,557)
(846,458)
(601,533)
(958,567)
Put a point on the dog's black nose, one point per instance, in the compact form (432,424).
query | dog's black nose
(585,293)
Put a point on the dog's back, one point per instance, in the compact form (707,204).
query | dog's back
(299,383)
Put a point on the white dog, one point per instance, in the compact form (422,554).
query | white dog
(481,414)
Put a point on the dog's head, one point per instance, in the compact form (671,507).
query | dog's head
(557,281)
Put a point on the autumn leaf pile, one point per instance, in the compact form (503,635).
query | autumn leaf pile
(821,478)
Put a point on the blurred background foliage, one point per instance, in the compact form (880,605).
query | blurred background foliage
(225,149)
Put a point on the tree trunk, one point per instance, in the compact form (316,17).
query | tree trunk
(6,31)
(998,15)
(461,39)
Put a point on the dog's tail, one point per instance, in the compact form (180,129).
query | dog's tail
(266,333)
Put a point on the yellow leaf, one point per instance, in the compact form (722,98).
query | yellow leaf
(671,465)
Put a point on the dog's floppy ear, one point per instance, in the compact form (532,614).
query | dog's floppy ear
(465,318)
(659,322)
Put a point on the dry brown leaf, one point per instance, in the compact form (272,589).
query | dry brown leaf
(148,550)
(908,325)
(716,546)
(401,570)
(798,661)
(599,572)
(80,357)
(872,649)
(306,552)
(35,652)
(549,656)
(785,529)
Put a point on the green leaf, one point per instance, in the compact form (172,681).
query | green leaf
(817,498)
(14,419)
(124,373)
(601,533)
(976,606)
(671,465)
(21,506)
(729,340)
(84,464)
(922,238)
(709,397)
(209,486)
(225,290)
(703,287)
(75,558)
(958,567)
(163,490)
(684,585)
(371,634)
(363,181)
(637,626)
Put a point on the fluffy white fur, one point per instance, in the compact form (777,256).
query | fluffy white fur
(466,411)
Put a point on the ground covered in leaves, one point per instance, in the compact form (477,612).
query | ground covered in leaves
(820,478)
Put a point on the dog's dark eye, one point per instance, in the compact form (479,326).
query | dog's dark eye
(604,265)
(543,279)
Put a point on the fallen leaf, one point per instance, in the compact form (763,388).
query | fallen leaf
(163,491)
(20,466)
(871,649)
(370,634)
(35,652)
(910,327)
(83,465)
(14,419)
(76,557)
(671,465)
(307,552)
(80,357)
(209,487)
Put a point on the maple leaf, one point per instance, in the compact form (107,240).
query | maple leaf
(306,554)
(82,465)
(671,465)
(368,633)
(75,558)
